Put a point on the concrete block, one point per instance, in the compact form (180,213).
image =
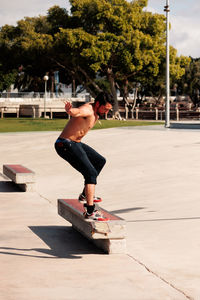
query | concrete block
(112,246)
(27,187)
(108,235)
(21,175)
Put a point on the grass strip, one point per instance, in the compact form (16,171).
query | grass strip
(25,124)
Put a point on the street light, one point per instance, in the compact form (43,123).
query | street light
(167,100)
(46,78)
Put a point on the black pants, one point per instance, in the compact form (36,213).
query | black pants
(81,157)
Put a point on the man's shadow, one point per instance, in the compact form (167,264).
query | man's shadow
(62,241)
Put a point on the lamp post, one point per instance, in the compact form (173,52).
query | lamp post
(167,100)
(46,78)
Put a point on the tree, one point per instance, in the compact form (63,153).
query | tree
(189,84)
(114,40)
(7,79)
(57,18)
(27,45)
(117,40)
(8,72)
(30,47)
(155,86)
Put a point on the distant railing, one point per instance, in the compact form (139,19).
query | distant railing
(35,104)
(40,95)
(57,110)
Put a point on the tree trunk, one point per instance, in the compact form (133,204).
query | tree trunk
(116,114)
(135,98)
(73,87)
(89,80)
(52,85)
(125,89)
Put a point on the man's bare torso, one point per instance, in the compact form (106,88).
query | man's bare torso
(78,126)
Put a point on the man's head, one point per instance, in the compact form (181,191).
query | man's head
(103,103)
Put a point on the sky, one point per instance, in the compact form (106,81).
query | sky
(185,24)
(184,18)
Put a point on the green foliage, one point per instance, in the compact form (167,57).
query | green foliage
(7,79)
(57,18)
(189,84)
(177,64)
(27,46)
(126,42)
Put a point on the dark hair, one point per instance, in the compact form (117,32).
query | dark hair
(104,98)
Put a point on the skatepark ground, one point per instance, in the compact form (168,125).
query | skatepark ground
(151,179)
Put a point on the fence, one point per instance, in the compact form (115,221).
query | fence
(54,107)
(55,110)
(37,95)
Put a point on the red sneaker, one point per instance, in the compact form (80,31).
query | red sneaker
(95,216)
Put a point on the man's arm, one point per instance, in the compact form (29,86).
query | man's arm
(82,111)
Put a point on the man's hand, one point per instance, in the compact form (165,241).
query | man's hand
(68,106)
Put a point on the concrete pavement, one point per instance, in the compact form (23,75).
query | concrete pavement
(151,179)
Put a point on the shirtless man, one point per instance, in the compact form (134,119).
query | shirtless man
(80,156)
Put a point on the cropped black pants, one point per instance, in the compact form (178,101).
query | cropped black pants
(81,157)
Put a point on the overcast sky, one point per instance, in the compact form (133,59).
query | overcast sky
(185,24)
(184,18)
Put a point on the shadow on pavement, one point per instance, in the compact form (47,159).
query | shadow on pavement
(167,219)
(125,210)
(9,187)
(63,242)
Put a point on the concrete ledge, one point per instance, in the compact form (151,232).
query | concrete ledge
(112,246)
(20,175)
(185,125)
(27,187)
(109,235)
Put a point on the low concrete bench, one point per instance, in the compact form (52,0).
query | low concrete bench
(108,235)
(20,175)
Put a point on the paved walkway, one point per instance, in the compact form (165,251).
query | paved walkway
(151,179)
